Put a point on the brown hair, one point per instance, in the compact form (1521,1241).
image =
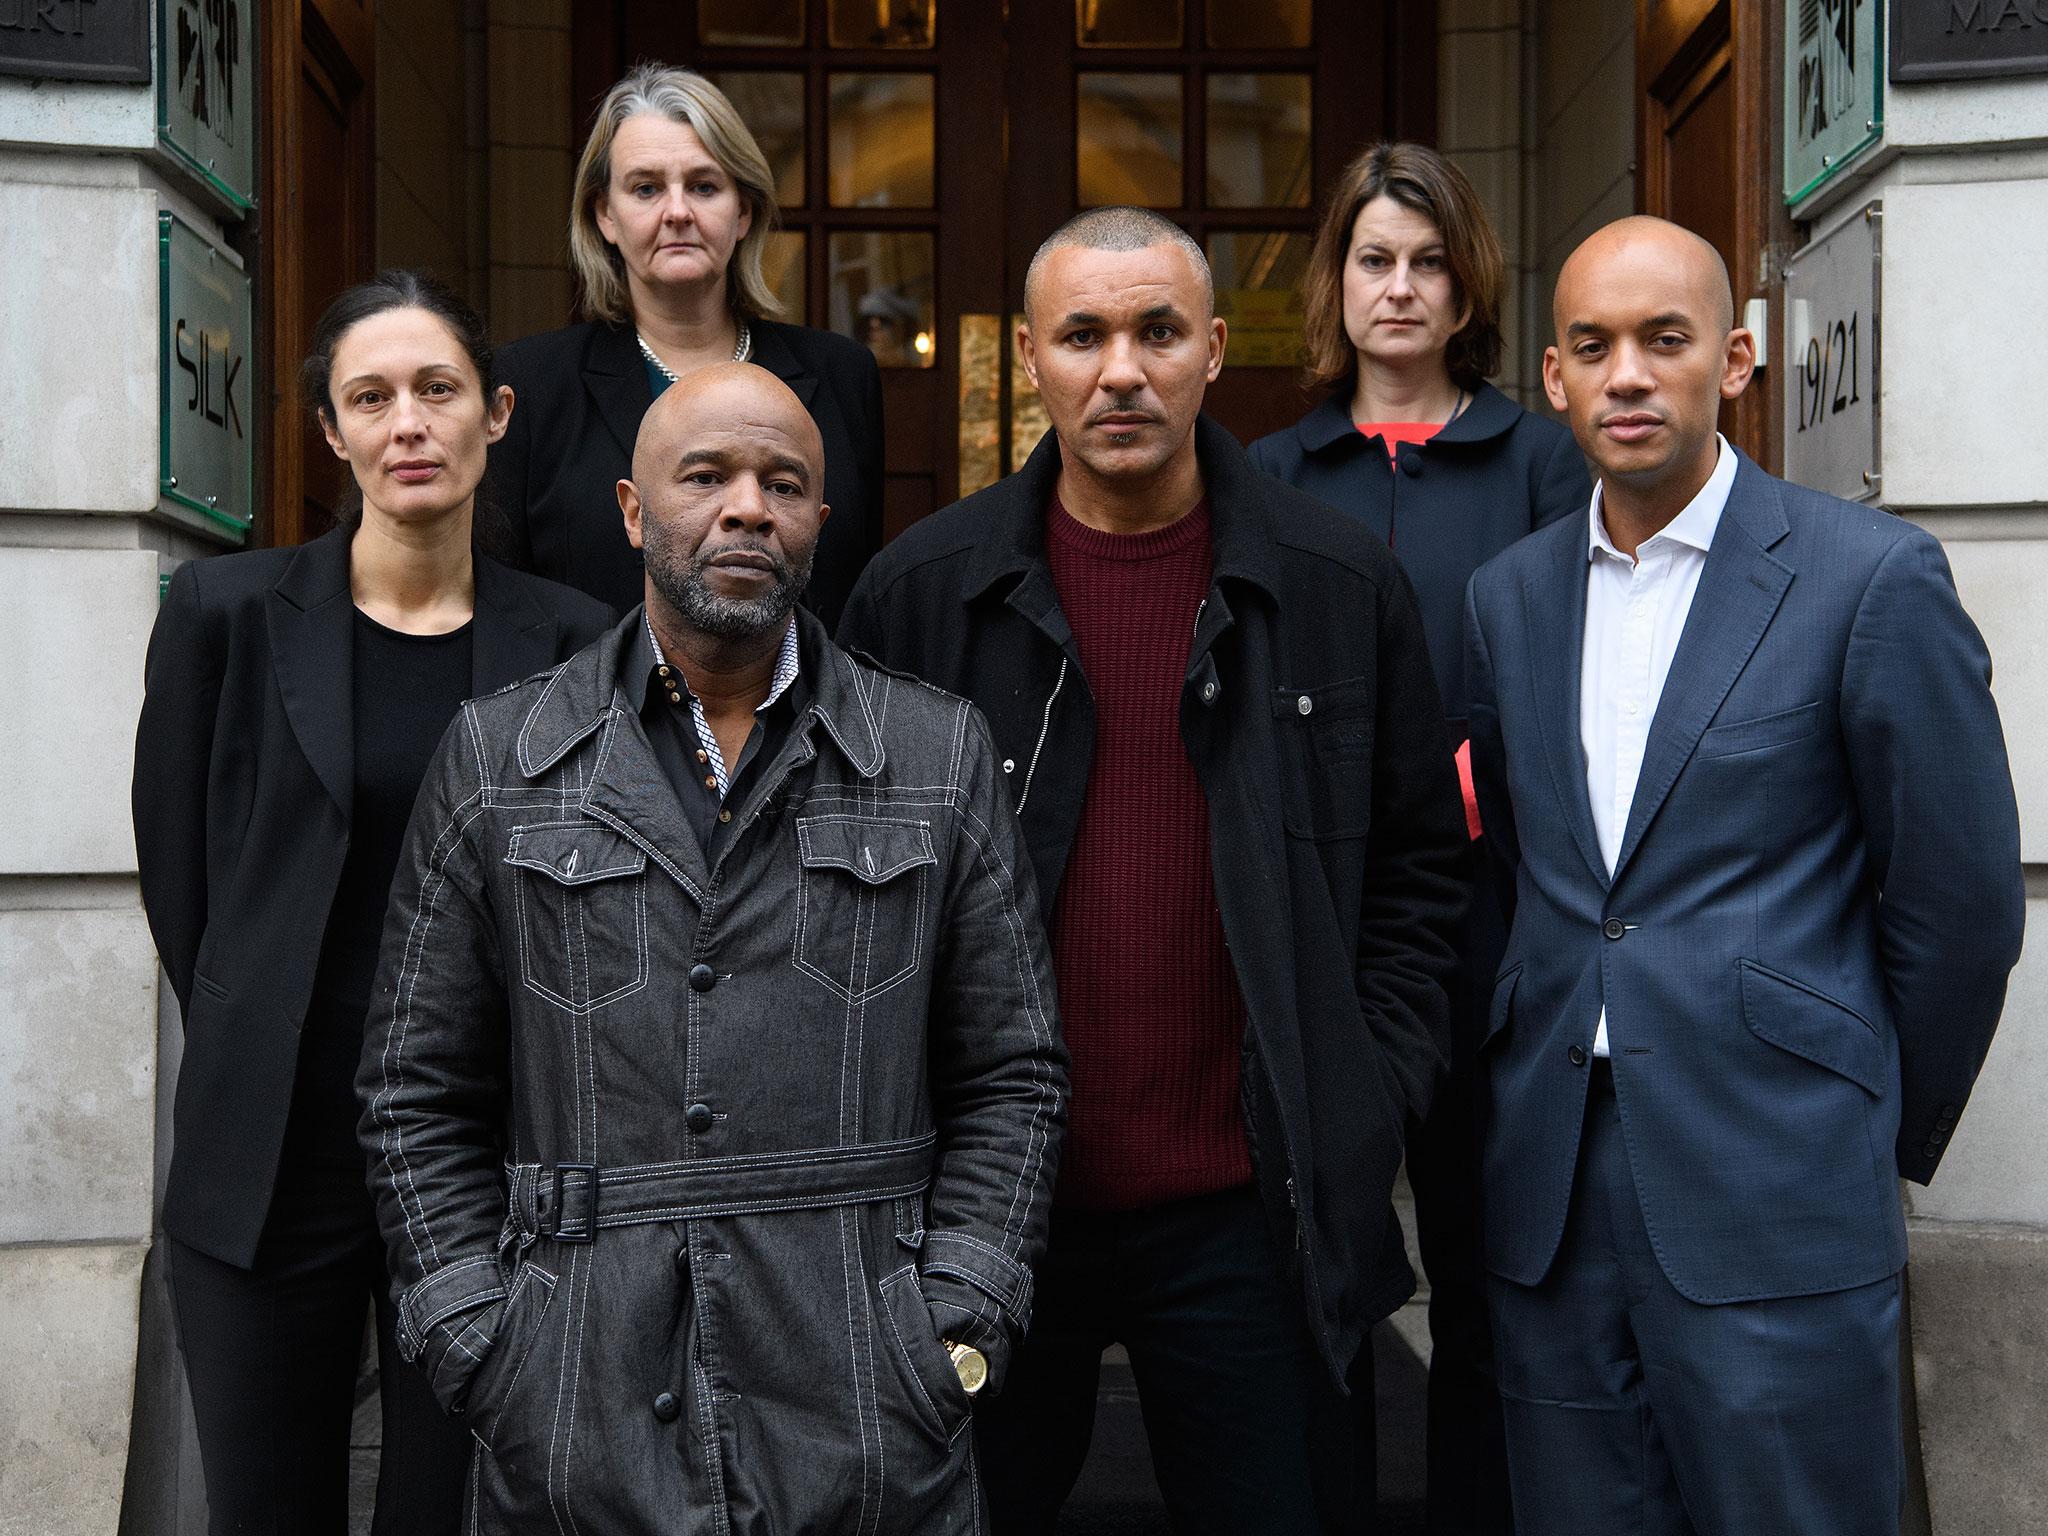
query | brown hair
(685,97)
(1416,177)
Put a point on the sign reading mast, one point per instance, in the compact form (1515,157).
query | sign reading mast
(205,463)
(1963,39)
(1832,289)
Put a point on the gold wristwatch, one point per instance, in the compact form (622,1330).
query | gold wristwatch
(970,1363)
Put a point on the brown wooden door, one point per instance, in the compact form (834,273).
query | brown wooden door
(924,147)
(319,61)
(1704,83)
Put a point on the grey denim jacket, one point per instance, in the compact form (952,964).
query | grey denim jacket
(684,1170)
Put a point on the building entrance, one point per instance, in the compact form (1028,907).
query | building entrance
(923,148)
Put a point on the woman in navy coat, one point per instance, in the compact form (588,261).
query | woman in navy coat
(673,205)
(1402,302)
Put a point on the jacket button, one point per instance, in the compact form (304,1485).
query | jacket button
(698,1118)
(666,1408)
(1411,462)
(1209,693)
(1577,1054)
(1948,1114)
(1614,928)
(702,978)
(1305,705)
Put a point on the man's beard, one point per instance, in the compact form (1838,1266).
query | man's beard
(682,582)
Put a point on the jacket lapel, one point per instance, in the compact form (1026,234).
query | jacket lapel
(1554,609)
(772,352)
(616,376)
(1738,595)
(311,617)
(514,637)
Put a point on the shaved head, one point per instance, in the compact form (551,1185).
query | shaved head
(1647,354)
(726,501)
(1689,267)
(729,394)
(1119,229)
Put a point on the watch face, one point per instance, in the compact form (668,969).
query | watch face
(972,1366)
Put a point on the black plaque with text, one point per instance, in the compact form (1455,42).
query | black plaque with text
(1964,39)
(75,39)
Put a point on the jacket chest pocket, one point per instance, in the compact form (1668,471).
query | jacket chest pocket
(863,885)
(580,896)
(1326,752)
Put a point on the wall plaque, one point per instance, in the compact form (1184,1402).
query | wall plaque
(1834,96)
(206,93)
(75,39)
(205,465)
(1832,289)
(1962,39)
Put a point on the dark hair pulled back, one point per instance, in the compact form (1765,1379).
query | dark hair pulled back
(395,288)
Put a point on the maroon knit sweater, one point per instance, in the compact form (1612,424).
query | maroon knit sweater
(1149,1001)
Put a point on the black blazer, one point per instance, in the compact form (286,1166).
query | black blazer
(244,778)
(580,393)
(1491,477)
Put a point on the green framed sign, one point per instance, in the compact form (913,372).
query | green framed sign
(206,466)
(1834,89)
(206,94)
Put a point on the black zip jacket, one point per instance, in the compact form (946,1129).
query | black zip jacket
(1312,718)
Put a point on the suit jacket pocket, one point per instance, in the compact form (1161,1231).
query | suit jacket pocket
(581,899)
(1787,725)
(1810,1024)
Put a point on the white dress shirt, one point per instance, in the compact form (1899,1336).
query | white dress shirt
(1635,613)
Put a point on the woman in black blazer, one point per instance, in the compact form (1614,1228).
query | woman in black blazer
(674,202)
(1402,306)
(293,699)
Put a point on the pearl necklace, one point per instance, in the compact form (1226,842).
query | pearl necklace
(741,351)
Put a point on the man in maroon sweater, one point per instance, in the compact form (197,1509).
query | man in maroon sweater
(1223,740)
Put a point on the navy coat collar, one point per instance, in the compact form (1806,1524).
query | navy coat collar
(1490,414)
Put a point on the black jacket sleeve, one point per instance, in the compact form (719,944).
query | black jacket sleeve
(1415,865)
(173,760)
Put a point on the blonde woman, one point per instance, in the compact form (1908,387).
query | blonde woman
(673,205)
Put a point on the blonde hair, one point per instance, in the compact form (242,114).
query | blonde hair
(681,96)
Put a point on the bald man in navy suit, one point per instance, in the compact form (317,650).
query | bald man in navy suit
(1735,745)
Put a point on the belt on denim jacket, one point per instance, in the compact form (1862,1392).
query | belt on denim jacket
(571,1202)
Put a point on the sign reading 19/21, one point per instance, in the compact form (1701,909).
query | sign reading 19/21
(1832,292)
(1830,379)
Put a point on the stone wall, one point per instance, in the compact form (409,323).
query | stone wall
(80,559)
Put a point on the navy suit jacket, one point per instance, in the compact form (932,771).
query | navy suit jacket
(1804,945)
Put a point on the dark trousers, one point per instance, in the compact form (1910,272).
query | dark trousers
(1632,1411)
(271,1354)
(1467,1479)
(1247,1432)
